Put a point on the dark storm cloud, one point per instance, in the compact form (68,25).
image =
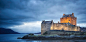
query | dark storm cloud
(14,12)
(11,4)
(11,14)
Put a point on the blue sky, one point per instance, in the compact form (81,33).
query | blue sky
(25,16)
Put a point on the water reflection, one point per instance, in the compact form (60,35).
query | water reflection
(55,40)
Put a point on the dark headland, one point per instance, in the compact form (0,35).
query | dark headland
(7,31)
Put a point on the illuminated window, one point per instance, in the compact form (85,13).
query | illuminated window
(68,20)
(57,25)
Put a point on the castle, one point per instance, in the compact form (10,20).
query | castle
(67,23)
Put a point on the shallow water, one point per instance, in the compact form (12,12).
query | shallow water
(13,38)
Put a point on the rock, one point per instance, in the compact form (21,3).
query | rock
(51,37)
(19,38)
(72,36)
(25,37)
(31,34)
(57,36)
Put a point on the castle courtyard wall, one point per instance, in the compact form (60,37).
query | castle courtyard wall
(67,27)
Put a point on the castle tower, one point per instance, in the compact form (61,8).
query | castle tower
(45,26)
(68,19)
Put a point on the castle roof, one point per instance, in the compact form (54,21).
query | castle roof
(69,15)
(65,23)
(47,22)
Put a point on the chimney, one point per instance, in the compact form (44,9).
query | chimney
(52,20)
(63,14)
(58,21)
(72,14)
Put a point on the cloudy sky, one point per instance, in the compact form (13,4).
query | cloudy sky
(25,16)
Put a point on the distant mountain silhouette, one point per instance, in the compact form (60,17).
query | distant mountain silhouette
(38,33)
(33,33)
(7,31)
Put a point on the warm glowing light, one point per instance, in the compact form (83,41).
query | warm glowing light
(51,28)
(75,29)
(71,20)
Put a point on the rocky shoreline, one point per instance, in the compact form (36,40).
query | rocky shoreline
(53,37)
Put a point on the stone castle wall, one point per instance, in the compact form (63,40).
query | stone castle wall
(58,26)
(66,27)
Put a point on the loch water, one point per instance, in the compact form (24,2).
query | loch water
(13,38)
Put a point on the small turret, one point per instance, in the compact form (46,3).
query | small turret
(52,21)
(63,14)
(72,14)
(58,21)
(43,21)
